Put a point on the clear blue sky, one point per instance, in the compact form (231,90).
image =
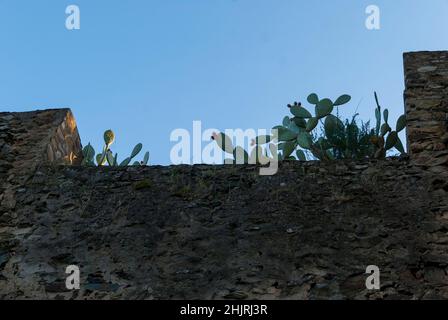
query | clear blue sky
(146,67)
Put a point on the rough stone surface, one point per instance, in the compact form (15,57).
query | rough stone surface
(40,136)
(426,103)
(225,232)
(214,232)
(29,139)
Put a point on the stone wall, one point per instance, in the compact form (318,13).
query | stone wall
(426,102)
(225,232)
(40,136)
(205,232)
(31,139)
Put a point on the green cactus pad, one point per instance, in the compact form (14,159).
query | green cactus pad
(300,112)
(110,158)
(401,123)
(100,160)
(378,121)
(289,148)
(299,122)
(385,128)
(240,155)
(391,140)
(125,162)
(324,108)
(136,150)
(386,115)
(145,159)
(334,128)
(304,140)
(301,155)
(399,146)
(224,142)
(311,124)
(313,98)
(285,134)
(88,152)
(342,100)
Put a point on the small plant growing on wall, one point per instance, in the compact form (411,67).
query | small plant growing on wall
(338,140)
(297,137)
(385,138)
(241,156)
(107,157)
(296,134)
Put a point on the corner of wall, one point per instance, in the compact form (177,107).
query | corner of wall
(426,105)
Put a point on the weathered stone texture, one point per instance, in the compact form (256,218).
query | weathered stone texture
(213,232)
(426,102)
(40,136)
(30,139)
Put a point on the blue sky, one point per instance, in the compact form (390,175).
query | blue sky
(146,67)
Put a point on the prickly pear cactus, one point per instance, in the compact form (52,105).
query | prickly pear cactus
(108,157)
(241,156)
(385,137)
(296,136)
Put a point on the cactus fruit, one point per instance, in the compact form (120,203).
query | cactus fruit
(109,137)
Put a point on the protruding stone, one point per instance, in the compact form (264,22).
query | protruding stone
(427,69)
(50,153)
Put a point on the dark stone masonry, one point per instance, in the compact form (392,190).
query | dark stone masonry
(426,99)
(225,232)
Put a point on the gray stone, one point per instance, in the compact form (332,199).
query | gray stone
(427,69)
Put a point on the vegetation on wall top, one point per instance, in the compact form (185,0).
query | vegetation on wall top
(322,135)
(107,157)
